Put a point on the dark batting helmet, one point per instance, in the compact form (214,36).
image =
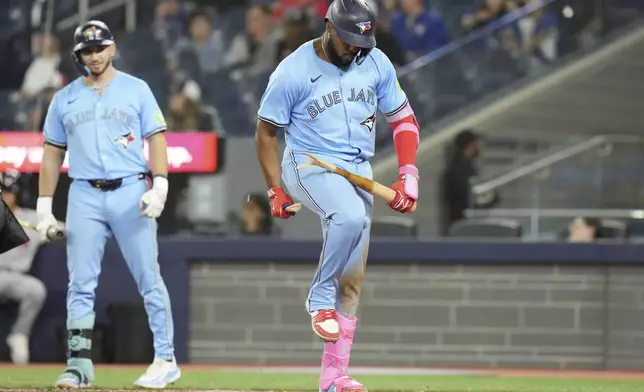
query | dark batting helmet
(354,22)
(90,34)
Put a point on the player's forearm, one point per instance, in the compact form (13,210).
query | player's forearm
(158,155)
(406,137)
(50,170)
(266,145)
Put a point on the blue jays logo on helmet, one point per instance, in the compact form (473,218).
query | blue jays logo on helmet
(364,26)
(345,16)
(91,34)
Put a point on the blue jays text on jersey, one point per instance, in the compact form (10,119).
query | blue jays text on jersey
(329,111)
(104,133)
(334,98)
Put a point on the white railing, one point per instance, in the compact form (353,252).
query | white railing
(536,213)
(539,164)
(554,213)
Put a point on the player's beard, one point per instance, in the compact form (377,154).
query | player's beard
(102,71)
(335,58)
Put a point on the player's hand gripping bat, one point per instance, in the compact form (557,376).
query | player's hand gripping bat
(295,207)
(53,233)
(375,188)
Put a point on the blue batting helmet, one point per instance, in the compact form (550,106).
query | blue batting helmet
(90,34)
(354,22)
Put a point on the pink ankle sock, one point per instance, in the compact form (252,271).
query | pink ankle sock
(335,360)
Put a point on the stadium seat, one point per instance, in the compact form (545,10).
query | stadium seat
(485,228)
(394,226)
(613,229)
(635,229)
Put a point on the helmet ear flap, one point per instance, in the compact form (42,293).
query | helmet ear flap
(80,65)
(362,55)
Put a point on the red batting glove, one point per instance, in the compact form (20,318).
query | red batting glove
(279,201)
(406,193)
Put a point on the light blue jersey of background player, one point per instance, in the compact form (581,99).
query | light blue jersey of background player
(101,120)
(325,96)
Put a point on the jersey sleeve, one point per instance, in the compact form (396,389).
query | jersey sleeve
(152,120)
(54,129)
(391,96)
(278,100)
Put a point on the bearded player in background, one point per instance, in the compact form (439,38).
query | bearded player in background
(101,120)
(325,95)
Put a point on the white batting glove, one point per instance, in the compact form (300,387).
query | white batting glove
(46,219)
(153,201)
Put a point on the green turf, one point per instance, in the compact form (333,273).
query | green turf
(192,379)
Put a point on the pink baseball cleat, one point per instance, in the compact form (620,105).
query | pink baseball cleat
(345,384)
(336,358)
(325,325)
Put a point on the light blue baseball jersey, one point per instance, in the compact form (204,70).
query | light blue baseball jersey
(104,133)
(327,110)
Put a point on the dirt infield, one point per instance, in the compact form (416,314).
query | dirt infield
(526,373)
(124,390)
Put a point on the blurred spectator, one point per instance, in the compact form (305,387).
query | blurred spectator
(296,31)
(205,41)
(256,216)
(226,5)
(507,37)
(185,111)
(584,229)
(580,26)
(256,49)
(389,5)
(418,31)
(386,40)
(539,36)
(170,21)
(43,72)
(487,12)
(36,121)
(454,186)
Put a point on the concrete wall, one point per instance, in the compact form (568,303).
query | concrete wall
(454,315)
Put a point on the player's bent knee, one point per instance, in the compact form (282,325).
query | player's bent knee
(351,222)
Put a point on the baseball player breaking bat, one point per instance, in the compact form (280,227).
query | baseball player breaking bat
(373,187)
(325,96)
